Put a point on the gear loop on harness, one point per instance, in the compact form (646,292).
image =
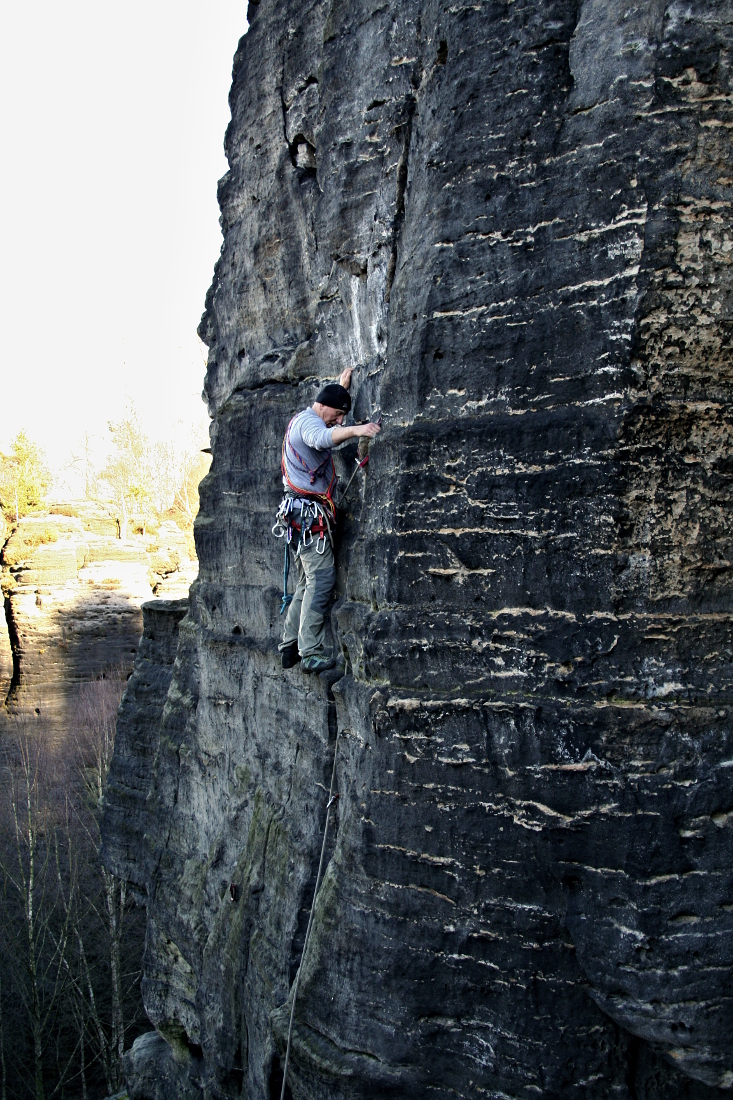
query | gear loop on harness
(309,522)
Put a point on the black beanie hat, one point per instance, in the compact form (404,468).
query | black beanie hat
(335,396)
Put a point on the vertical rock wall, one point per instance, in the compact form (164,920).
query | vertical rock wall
(129,799)
(512,219)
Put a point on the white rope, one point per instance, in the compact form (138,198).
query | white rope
(331,799)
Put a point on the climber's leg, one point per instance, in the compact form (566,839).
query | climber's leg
(320,577)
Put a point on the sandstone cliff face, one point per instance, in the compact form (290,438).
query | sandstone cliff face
(513,220)
(72,593)
(129,804)
(6,653)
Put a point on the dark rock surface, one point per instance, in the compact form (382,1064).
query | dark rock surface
(153,1073)
(513,221)
(129,802)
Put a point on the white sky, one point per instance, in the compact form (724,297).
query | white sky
(111,137)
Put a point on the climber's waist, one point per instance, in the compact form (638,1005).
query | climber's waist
(305,518)
(318,527)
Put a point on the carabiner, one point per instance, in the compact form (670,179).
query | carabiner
(321,544)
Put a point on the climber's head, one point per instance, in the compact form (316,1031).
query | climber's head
(332,404)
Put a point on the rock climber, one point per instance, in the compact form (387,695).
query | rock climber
(307,518)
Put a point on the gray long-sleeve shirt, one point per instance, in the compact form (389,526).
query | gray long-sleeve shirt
(310,439)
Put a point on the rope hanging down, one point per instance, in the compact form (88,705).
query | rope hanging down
(287,597)
(332,798)
(359,466)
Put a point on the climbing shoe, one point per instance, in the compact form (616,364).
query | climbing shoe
(318,664)
(289,655)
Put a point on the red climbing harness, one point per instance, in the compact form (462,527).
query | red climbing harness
(319,527)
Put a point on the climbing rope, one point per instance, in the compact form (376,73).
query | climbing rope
(332,798)
(286,569)
(359,466)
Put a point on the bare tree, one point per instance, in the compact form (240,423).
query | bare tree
(38,940)
(94,740)
(82,464)
(129,469)
(70,935)
(179,465)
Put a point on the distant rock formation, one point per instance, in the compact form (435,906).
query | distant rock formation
(72,596)
(6,653)
(513,220)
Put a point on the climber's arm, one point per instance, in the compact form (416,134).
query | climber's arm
(341,434)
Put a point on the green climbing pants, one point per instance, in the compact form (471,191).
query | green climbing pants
(305,619)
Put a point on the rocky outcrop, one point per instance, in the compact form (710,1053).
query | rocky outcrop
(129,797)
(72,595)
(153,1073)
(6,653)
(6,659)
(513,221)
